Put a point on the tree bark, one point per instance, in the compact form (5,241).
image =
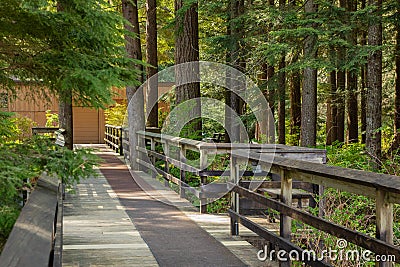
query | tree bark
(295,104)
(363,77)
(352,107)
(152,60)
(187,50)
(309,94)
(395,145)
(282,93)
(134,95)
(65,112)
(132,45)
(236,9)
(331,124)
(65,115)
(397,86)
(281,102)
(352,103)
(374,91)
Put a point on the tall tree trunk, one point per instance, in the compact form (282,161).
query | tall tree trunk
(331,111)
(281,102)
(152,60)
(187,50)
(309,94)
(352,107)
(340,104)
(282,92)
(396,140)
(65,116)
(397,93)
(295,104)
(341,86)
(134,96)
(295,97)
(363,76)
(352,103)
(374,91)
(65,111)
(236,86)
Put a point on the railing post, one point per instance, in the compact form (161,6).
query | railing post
(182,156)
(384,221)
(203,181)
(166,167)
(234,178)
(113,137)
(121,149)
(285,221)
(152,158)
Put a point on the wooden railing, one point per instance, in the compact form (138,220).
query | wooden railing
(113,138)
(45,130)
(174,155)
(36,238)
(384,188)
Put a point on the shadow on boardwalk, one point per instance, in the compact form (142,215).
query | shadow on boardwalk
(111,221)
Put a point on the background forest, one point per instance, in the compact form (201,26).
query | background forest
(330,70)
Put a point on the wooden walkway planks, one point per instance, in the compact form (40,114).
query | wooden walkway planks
(97,230)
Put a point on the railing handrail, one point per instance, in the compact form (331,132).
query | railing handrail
(113,126)
(113,137)
(201,145)
(317,172)
(32,239)
(274,158)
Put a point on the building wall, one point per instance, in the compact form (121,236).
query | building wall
(89,123)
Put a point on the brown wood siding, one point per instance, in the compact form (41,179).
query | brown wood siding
(89,124)
(86,125)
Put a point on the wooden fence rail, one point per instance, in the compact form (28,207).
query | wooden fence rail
(175,150)
(36,238)
(295,167)
(384,188)
(113,138)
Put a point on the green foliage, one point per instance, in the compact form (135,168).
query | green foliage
(14,127)
(220,205)
(23,127)
(78,48)
(116,115)
(348,156)
(7,128)
(21,163)
(51,119)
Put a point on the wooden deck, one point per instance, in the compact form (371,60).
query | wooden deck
(103,227)
(97,230)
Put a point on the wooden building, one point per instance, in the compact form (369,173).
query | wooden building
(89,123)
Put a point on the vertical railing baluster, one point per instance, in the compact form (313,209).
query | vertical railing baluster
(285,221)
(384,221)
(203,181)
(152,158)
(234,178)
(166,167)
(182,156)
(121,149)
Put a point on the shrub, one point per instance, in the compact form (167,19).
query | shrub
(51,119)
(116,115)
(22,163)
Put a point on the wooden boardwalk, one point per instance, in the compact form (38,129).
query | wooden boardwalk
(97,230)
(107,223)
